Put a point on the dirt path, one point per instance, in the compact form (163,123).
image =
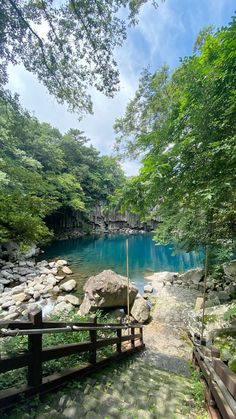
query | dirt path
(166,334)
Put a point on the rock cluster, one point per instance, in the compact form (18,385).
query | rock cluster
(36,283)
(219,290)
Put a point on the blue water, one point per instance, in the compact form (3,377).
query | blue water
(90,255)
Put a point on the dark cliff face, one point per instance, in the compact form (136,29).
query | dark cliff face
(68,223)
(113,221)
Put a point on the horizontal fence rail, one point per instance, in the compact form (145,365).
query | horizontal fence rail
(220,380)
(34,357)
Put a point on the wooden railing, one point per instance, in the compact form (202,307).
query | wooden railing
(220,380)
(33,358)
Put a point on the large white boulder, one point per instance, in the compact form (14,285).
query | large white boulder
(140,310)
(106,290)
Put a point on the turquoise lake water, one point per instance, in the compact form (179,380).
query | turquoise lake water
(90,255)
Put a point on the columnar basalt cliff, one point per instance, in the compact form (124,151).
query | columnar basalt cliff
(67,223)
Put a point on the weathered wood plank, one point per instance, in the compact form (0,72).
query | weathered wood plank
(13,363)
(223,406)
(226,375)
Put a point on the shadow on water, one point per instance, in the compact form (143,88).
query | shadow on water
(91,255)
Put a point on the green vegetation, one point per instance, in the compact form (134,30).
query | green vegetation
(68,44)
(183,123)
(11,346)
(43,172)
(230,313)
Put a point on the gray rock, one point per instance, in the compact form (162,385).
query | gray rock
(68,285)
(45,271)
(22,263)
(62,306)
(163,276)
(106,290)
(232,291)
(36,296)
(72,299)
(30,263)
(6,274)
(52,264)
(5,281)
(59,263)
(223,296)
(22,296)
(140,310)
(66,270)
(11,316)
(18,289)
(42,264)
(193,275)
(51,280)
(230,269)
(148,288)
(8,304)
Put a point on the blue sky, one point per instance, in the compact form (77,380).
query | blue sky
(161,36)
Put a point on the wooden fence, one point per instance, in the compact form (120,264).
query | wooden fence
(33,358)
(220,380)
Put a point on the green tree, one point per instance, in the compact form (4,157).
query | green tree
(184,123)
(68,44)
(43,172)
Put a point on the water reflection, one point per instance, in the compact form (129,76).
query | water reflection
(90,255)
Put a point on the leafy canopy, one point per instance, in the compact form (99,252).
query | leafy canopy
(184,125)
(68,44)
(43,171)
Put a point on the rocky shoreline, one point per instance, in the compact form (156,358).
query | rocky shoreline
(219,291)
(37,284)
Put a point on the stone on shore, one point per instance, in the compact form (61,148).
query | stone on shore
(164,277)
(68,285)
(106,290)
(60,263)
(140,310)
(66,270)
(72,299)
(62,306)
(22,296)
(193,276)
(148,289)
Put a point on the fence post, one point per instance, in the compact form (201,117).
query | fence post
(215,352)
(141,337)
(35,373)
(119,335)
(132,339)
(93,339)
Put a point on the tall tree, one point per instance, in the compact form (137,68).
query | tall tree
(184,123)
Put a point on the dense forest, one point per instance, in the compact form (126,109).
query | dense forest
(69,46)
(43,171)
(183,123)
